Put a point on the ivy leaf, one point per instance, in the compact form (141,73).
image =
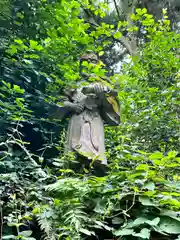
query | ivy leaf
(153,222)
(139,221)
(117,220)
(169,225)
(124,232)
(150,186)
(146,201)
(171,214)
(143,220)
(144,233)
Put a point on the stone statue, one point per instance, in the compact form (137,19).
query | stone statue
(90,107)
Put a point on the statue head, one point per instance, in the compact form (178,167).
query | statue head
(90,57)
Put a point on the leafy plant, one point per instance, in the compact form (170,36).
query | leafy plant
(42,194)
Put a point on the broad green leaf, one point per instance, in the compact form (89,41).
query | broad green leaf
(143,220)
(153,222)
(14,224)
(117,220)
(9,237)
(144,167)
(171,214)
(26,233)
(144,233)
(146,201)
(150,186)
(139,221)
(33,44)
(169,225)
(117,35)
(124,232)
(172,154)
(156,155)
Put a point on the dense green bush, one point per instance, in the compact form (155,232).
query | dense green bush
(41,195)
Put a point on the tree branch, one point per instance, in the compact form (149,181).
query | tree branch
(125,43)
(117,10)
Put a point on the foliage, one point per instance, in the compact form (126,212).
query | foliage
(41,194)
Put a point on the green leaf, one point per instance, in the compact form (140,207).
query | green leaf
(17,89)
(9,237)
(164,10)
(138,10)
(144,10)
(117,35)
(143,167)
(144,233)
(150,186)
(100,208)
(171,214)
(124,232)
(33,44)
(18,23)
(34,56)
(103,225)
(19,41)
(156,155)
(20,15)
(26,233)
(139,221)
(117,220)
(12,50)
(172,154)
(146,201)
(143,220)
(153,222)
(169,225)
(86,232)
(14,224)
(101,53)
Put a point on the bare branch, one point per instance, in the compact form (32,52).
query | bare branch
(117,10)
(125,44)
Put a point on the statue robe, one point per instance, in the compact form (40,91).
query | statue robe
(85,134)
(86,129)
